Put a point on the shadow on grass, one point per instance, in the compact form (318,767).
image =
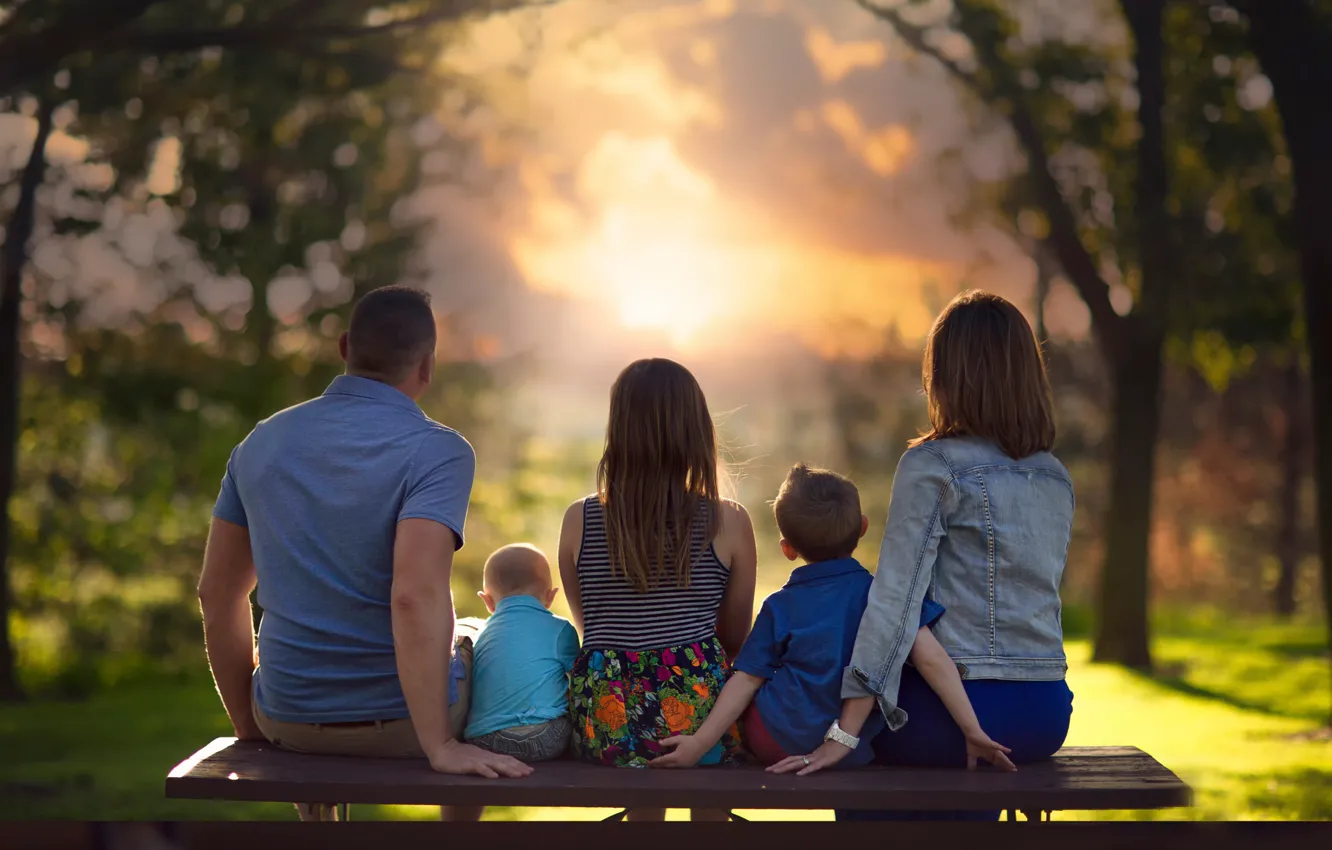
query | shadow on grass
(1301,795)
(1175,681)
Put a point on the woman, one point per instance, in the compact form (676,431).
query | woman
(659,572)
(980,520)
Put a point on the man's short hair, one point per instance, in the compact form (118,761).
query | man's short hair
(818,513)
(391,329)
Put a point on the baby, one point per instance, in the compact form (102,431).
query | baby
(520,673)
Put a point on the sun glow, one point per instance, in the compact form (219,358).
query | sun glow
(658,274)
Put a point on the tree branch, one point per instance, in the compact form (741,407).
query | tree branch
(1146,22)
(1005,94)
(266,35)
(21,62)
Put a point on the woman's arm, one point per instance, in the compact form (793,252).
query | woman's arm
(740,554)
(571,540)
(686,750)
(923,497)
(936,668)
(855,712)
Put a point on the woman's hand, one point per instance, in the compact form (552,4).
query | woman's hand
(981,748)
(682,751)
(828,754)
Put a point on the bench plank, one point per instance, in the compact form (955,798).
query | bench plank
(1077,778)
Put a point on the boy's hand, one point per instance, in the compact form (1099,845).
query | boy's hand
(459,758)
(981,748)
(682,751)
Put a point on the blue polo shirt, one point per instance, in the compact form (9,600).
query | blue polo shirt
(322,487)
(520,672)
(801,642)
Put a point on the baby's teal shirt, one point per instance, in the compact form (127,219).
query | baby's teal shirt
(520,668)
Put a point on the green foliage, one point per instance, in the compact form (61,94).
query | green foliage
(190,277)
(1230,190)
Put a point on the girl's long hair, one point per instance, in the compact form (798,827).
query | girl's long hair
(658,473)
(984,376)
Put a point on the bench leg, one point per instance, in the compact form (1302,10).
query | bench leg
(317,812)
(736,817)
(615,818)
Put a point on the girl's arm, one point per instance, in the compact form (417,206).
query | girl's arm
(740,554)
(571,539)
(686,750)
(931,659)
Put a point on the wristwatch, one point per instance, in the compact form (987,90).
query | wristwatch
(835,733)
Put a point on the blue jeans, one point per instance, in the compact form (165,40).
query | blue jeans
(1030,718)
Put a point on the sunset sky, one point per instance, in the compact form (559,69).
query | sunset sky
(699,172)
(735,183)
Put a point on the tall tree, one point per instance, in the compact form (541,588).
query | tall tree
(1293,41)
(1022,82)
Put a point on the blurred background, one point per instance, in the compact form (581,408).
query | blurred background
(780,194)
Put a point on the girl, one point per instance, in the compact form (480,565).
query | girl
(980,520)
(659,571)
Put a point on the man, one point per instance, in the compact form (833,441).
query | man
(346,512)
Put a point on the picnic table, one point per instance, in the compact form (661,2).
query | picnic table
(1076,779)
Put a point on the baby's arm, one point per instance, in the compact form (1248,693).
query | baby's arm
(686,750)
(930,658)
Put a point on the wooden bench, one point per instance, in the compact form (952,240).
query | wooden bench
(1077,778)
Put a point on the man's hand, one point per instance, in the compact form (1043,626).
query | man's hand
(828,754)
(459,758)
(248,730)
(682,751)
(981,748)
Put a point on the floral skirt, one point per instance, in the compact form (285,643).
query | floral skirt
(623,703)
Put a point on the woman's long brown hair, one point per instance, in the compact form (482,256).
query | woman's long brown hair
(658,471)
(984,376)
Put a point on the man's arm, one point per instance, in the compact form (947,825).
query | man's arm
(224,598)
(423,621)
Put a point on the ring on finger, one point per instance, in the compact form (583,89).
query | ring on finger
(805,759)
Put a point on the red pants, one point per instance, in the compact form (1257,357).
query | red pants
(756,739)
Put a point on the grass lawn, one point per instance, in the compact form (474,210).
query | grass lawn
(1225,714)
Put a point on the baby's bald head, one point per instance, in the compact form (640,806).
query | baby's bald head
(519,569)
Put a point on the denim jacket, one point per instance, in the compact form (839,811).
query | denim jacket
(985,536)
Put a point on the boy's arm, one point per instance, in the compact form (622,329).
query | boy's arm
(686,750)
(931,659)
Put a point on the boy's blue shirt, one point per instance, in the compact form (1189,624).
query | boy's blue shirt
(801,642)
(520,668)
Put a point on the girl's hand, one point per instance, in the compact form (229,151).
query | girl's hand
(682,751)
(828,754)
(981,748)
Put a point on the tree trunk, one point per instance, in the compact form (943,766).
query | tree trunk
(13,257)
(1293,447)
(1122,631)
(1121,622)
(1293,43)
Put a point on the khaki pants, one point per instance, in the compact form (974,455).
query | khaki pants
(372,739)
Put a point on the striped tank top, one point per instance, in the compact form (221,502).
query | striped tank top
(618,616)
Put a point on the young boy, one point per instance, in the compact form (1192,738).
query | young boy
(521,664)
(787,679)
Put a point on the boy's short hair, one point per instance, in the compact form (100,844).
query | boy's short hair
(515,569)
(391,329)
(818,513)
